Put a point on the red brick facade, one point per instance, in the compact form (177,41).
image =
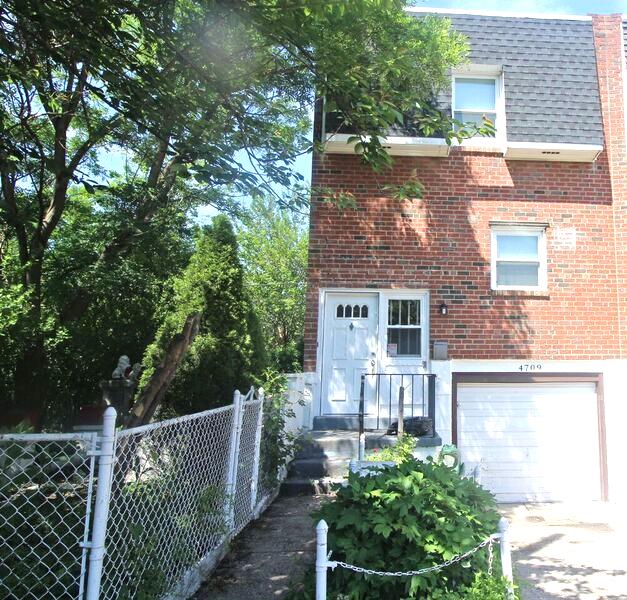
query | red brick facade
(442,242)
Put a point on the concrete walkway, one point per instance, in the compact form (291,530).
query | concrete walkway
(269,556)
(569,551)
(560,552)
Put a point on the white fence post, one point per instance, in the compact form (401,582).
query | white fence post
(506,555)
(231,483)
(321,560)
(257,456)
(101,506)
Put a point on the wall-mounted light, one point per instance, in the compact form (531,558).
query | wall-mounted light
(443,309)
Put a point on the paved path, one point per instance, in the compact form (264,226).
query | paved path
(269,555)
(561,552)
(569,551)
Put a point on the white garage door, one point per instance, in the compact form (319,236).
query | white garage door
(535,442)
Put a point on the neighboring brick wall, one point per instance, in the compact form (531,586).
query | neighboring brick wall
(609,45)
(442,242)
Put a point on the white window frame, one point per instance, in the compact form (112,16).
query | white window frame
(526,230)
(484,72)
(405,359)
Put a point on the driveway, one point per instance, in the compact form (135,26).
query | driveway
(569,551)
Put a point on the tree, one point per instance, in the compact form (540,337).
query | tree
(186,88)
(208,343)
(274,252)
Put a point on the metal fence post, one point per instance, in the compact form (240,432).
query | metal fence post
(231,483)
(400,430)
(321,560)
(101,505)
(362,432)
(431,401)
(257,455)
(506,555)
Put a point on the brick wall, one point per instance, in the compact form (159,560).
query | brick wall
(442,242)
(608,41)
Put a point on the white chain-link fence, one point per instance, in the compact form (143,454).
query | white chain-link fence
(145,511)
(46,483)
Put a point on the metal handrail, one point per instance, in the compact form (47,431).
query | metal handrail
(406,382)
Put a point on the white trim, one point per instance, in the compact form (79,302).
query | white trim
(520,229)
(484,72)
(487,13)
(549,151)
(337,143)
(477,70)
(396,145)
(425,303)
(383,360)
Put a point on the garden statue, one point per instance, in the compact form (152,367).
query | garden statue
(123,370)
(136,372)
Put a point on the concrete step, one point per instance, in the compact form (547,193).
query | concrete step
(308,487)
(318,467)
(338,444)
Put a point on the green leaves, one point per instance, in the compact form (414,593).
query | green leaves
(415,515)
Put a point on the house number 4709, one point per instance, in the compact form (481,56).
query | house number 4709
(530,367)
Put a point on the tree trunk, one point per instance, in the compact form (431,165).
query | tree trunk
(154,391)
(30,369)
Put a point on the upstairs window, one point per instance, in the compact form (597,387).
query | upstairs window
(519,258)
(475,97)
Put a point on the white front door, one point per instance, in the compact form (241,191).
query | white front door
(349,349)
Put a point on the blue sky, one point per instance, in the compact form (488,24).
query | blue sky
(572,7)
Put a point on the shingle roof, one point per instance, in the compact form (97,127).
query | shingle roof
(550,76)
(549,70)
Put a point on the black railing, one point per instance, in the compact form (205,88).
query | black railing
(398,402)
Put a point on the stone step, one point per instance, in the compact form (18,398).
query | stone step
(308,487)
(337,444)
(315,468)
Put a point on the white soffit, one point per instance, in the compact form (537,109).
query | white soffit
(337,143)
(552,152)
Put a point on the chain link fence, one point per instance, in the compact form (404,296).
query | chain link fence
(46,486)
(165,499)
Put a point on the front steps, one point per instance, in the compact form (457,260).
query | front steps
(322,459)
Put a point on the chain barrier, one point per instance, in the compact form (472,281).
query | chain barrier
(487,542)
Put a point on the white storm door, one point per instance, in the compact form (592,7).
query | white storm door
(349,349)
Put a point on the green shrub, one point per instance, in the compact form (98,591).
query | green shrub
(485,587)
(276,444)
(414,515)
(400,453)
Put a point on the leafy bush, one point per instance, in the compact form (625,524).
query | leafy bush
(276,444)
(400,453)
(485,587)
(415,515)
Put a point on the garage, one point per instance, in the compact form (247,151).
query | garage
(535,439)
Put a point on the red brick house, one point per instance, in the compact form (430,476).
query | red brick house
(507,280)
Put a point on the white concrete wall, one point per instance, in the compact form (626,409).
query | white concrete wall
(300,396)
(442,370)
(614,393)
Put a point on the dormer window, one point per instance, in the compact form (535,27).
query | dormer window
(478,95)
